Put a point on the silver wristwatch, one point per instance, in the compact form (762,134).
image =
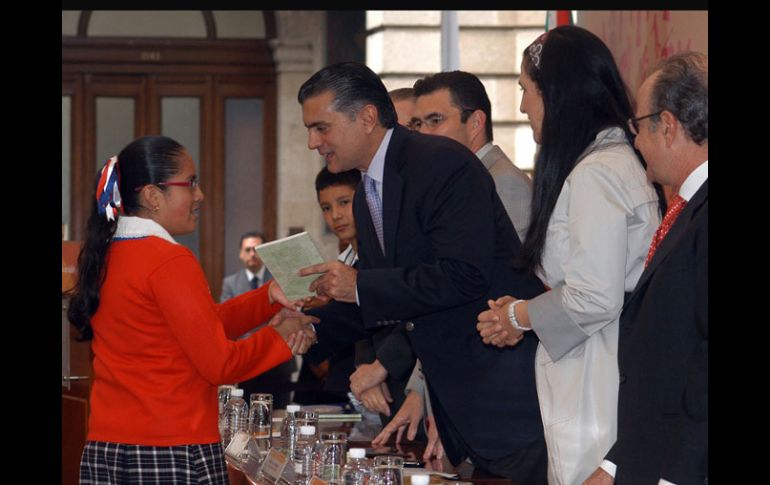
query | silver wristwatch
(512,317)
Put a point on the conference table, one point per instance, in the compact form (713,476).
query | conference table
(360,435)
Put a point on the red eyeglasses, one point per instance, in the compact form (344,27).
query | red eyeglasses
(193,184)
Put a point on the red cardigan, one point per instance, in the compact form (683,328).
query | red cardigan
(162,346)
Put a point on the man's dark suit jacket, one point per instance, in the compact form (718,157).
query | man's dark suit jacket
(663,360)
(449,246)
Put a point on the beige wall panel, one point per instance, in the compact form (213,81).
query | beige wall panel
(239,24)
(491,51)
(378,18)
(496,18)
(503,94)
(528,18)
(298,52)
(375,55)
(516,141)
(525,146)
(69,22)
(147,23)
(523,39)
(409,51)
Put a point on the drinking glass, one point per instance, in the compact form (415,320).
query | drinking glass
(388,470)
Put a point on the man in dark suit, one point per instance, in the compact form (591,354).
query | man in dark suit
(276,381)
(435,243)
(663,347)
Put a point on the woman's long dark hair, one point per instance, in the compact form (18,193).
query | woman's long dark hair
(583,94)
(144,161)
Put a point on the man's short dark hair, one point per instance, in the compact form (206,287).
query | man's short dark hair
(325,179)
(466,91)
(354,86)
(249,234)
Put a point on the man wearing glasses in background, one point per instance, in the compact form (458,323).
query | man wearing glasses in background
(455,104)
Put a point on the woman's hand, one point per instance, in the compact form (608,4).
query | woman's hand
(276,295)
(495,328)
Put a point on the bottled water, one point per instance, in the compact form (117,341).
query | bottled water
(303,455)
(356,470)
(288,432)
(318,448)
(333,457)
(223,395)
(236,415)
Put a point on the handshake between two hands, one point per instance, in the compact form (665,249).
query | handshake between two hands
(337,281)
(295,327)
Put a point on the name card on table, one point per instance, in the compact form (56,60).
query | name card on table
(274,465)
(237,445)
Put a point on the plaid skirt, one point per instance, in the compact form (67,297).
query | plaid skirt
(118,464)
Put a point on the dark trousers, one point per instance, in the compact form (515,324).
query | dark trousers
(527,465)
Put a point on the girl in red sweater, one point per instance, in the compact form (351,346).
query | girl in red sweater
(161,345)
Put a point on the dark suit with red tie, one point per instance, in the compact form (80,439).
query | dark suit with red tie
(663,360)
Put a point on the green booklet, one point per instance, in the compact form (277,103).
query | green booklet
(285,257)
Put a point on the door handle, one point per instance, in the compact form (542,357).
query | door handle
(74,378)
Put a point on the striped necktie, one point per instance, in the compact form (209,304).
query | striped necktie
(375,208)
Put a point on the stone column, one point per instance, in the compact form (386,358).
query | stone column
(299,51)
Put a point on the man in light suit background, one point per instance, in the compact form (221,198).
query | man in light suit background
(663,344)
(455,104)
(435,243)
(276,381)
(254,274)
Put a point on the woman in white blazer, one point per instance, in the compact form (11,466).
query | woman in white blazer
(593,216)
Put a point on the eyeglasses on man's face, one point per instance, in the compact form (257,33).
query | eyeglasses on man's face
(633,123)
(434,120)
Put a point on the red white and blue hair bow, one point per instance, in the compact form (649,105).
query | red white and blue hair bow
(107,193)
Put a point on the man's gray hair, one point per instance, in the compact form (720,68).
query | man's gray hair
(682,88)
